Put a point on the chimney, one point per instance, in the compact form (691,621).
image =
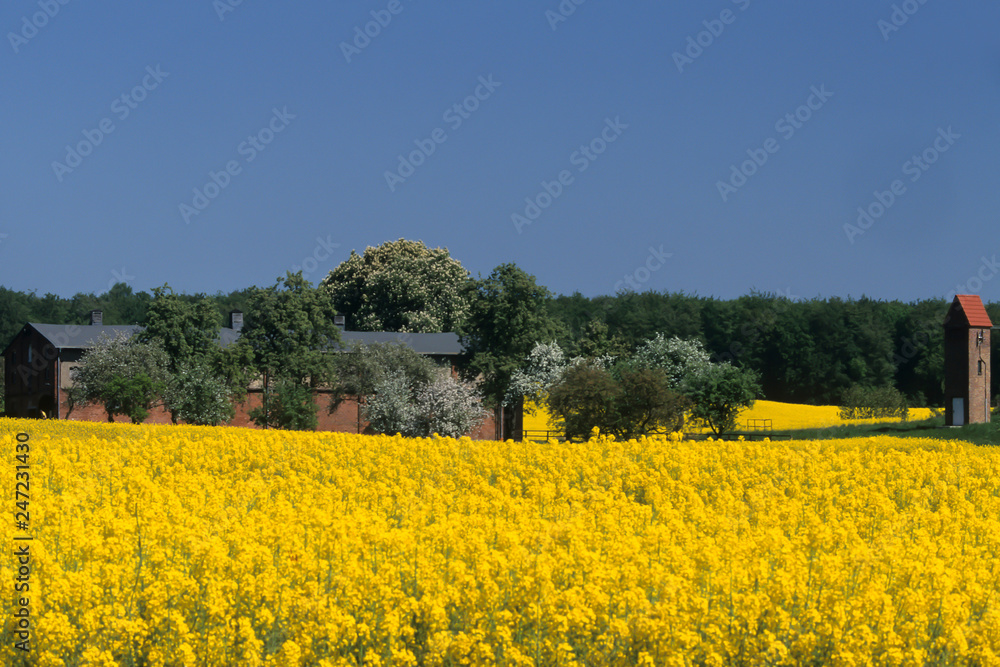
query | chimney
(236,320)
(96,318)
(340,322)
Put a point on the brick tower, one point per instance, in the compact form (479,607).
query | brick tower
(966,362)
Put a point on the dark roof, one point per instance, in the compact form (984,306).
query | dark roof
(967,310)
(437,344)
(81,336)
(228,336)
(85,336)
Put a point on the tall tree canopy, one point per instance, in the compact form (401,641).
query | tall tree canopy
(187,331)
(508,316)
(204,377)
(401,286)
(289,329)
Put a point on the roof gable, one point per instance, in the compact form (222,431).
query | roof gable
(81,336)
(86,336)
(967,310)
(431,344)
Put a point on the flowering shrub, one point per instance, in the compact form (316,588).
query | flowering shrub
(126,376)
(443,405)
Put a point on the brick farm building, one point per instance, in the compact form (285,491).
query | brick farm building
(39,365)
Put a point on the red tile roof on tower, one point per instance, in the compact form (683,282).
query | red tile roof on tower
(973,309)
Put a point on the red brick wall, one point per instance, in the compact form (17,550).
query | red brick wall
(343,420)
(979,385)
(962,379)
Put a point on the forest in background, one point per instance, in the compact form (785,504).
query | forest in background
(806,351)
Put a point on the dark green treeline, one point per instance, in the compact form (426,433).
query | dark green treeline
(807,351)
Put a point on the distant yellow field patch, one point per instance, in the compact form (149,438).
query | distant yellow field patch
(783,416)
(789,416)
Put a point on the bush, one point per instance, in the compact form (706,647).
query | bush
(444,406)
(873,403)
(624,402)
(583,398)
(290,406)
(198,396)
(647,405)
(719,393)
(131,396)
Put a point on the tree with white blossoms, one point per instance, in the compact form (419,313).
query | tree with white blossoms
(126,376)
(445,405)
(676,357)
(401,286)
(544,365)
(389,408)
(718,391)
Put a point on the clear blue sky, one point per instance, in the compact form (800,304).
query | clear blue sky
(200,78)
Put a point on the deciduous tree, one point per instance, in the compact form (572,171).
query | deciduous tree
(719,393)
(126,376)
(401,286)
(290,332)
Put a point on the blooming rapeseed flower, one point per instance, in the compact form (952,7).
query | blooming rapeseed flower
(178,545)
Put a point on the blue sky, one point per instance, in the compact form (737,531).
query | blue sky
(709,147)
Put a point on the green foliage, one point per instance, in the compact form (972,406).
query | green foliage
(401,286)
(584,398)
(806,351)
(597,341)
(206,377)
(234,366)
(290,330)
(131,396)
(718,394)
(508,317)
(288,335)
(624,402)
(360,371)
(289,405)
(126,376)
(196,394)
(647,404)
(187,331)
(873,403)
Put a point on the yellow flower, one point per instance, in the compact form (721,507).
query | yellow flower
(181,545)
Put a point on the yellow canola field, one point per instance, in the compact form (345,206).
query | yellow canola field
(783,416)
(162,545)
(790,416)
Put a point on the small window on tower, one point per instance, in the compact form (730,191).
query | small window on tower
(981,363)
